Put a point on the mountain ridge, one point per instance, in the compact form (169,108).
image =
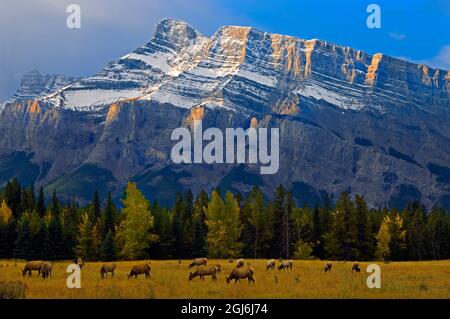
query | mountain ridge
(371,124)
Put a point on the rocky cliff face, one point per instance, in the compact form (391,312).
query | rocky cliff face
(348,120)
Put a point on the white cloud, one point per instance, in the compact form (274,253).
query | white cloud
(397,36)
(34,35)
(440,61)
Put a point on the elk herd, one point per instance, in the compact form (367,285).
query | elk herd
(241,270)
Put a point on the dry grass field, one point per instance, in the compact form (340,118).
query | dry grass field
(429,279)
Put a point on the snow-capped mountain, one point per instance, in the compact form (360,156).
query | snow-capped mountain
(370,124)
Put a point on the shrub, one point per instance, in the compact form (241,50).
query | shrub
(12,290)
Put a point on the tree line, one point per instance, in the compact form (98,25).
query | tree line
(216,225)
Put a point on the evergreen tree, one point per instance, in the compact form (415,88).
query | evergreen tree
(364,243)
(317,233)
(28,200)
(96,206)
(179,212)
(109,217)
(415,232)
(13,194)
(55,206)
(286,238)
(188,225)
(199,246)
(438,234)
(37,235)
(68,221)
(109,248)
(325,214)
(57,248)
(162,248)
(278,210)
(23,242)
(41,203)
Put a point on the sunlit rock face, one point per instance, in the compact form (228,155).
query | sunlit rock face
(368,124)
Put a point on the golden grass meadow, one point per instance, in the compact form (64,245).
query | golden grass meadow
(422,279)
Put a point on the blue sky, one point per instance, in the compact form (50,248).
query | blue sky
(33,33)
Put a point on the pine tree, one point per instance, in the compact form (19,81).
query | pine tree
(162,227)
(41,203)
(109,216)
(325,214)
(364,243)
(188,225)
(22,246)
(347,232)
(286,238)
(179,212)
(317,233)
(200,228)
(278,210)
(96,206)
(28,200)
(135,229)
(69,230)
(55,206)
(109,248)
(438,234)
(13,194)
(415,232)
(37,235)
(55,239)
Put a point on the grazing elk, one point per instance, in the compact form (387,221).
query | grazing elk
(286,264)
(198,262)
(241,273)
(31,266)
(141,269)
(355,267)
(106,268)
(46,269)
(270,264)
(204,271)
(327,266)
(240,263)
(219,268)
